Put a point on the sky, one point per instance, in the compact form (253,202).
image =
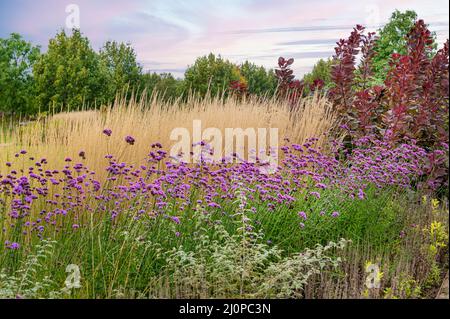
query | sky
(168,35)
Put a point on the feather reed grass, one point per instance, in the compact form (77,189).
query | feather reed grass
(151,120)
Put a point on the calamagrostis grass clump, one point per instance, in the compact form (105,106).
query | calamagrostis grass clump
(149,121)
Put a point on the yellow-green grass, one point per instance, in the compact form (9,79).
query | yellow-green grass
(66,134)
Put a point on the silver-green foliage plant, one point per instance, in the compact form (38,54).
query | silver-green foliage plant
(287,277)
(238,266)
(25,282)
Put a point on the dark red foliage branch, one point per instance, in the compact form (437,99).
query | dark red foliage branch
(284,73)
(366,111)
(343,71)
(288,87)
(364,72)
(238,88)
(430,119)
(417,94)
(352,95)
(400,90)
(317,85)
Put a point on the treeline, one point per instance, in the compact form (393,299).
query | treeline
(71,74)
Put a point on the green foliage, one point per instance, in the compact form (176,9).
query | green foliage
(408,288)
(69,75)
(238,265)
(210,73)
(164,85)
(228,254)
(17,58)
(320,71)
(30,280)
(122,71)
(259,80)
(392,39)
(216,74)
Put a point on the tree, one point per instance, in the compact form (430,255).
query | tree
(17,58)
(259,80)
(164,85)
(392,38)
(321,71)
(69,74)
(210,72)
(122,71)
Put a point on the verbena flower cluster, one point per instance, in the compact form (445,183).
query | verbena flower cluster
(42,201)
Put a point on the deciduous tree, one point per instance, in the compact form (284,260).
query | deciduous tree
(122,71)
(69,74)
(17,58)
(210,73)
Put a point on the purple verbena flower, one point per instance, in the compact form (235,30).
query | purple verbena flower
(335,214)
(130,140)
(176,219)
(303,215)
(12,246)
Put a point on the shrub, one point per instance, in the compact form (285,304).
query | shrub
(259,81)
(26,282)
(412,103)
(163,85)
(222,265)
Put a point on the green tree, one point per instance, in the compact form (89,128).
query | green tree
(392,39)
(210,72)
(122,71)
(320,71)
(17,58)
(165,85)
(69,74)
(260,81)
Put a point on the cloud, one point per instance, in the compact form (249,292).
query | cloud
(296,55)
(294,29)
(309,42)
(169,35)
(141,23)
